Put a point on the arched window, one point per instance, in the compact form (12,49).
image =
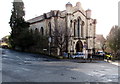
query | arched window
(49,25)
(31,31)
(74,29)
(82,30)
(36,31)
(71,23)
(42,31)
(78,28)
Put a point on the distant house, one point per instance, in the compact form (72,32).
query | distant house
(100,42)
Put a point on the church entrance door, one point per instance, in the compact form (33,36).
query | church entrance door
(79,46)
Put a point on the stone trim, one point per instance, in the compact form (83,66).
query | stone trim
(80,12)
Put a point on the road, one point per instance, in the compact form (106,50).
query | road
(27,67)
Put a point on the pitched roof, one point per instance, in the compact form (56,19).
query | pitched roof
(99,37)
(18,1)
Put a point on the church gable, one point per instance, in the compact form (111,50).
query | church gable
(78,12)
(77,21)
(77,15)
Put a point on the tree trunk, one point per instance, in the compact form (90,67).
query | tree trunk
(60,51)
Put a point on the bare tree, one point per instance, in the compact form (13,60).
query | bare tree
(113,40)
(101,42)
(61,37)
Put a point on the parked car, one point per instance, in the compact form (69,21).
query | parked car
(65,54)
(4,46)
(78,55)
(100,53)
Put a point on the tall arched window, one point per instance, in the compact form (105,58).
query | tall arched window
(31,31)
(78,28)
(49,25)
(36,31)
(71,23)
(42,31)
(82,30)
(74,29)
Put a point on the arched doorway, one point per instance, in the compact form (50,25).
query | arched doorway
(79,46)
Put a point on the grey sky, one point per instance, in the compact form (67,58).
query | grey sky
(105,11)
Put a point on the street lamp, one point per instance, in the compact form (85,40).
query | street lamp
(49,42)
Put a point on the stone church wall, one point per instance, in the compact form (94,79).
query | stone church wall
(65,19)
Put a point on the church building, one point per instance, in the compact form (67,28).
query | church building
(82,27)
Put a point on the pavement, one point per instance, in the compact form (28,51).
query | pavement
(84,61)
(27,67)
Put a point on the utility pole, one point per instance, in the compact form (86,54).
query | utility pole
(49,40)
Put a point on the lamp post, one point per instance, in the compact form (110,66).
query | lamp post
(89,50)
(85,49)
(49,40)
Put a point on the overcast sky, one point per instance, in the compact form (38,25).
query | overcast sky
(105,11)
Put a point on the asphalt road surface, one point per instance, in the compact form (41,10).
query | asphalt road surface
(27,67)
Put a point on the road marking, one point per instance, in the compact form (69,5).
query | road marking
(19,58)
(115,63)
(25,69)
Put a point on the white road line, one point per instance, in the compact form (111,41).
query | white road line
(115,63)
(19,58)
